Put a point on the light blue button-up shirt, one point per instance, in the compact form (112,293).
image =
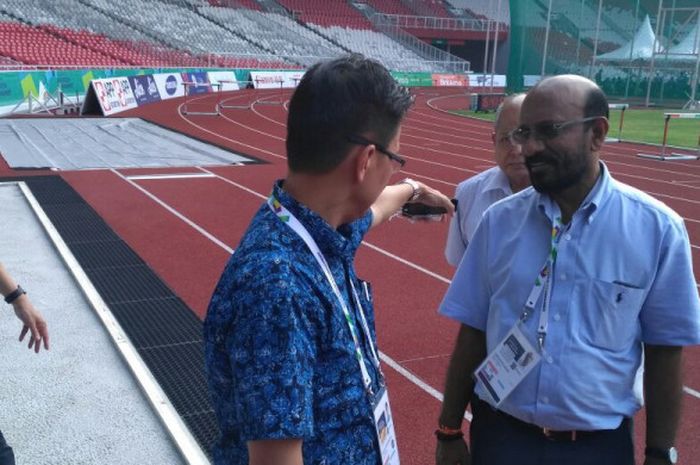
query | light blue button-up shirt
(474,196)
(623,277)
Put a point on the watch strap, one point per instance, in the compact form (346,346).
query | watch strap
(670,454)
(414,185)
(14,295)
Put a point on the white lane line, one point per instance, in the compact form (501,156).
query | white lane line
(691,392)
(150,177)
(172,210)
(416,380)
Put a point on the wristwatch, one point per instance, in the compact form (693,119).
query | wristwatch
(415,186)
(14,295)
(670,454)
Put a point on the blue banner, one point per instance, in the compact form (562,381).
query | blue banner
(200,79)
(145,89)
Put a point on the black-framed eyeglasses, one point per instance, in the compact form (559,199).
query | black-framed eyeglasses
(359,140)
(546,130)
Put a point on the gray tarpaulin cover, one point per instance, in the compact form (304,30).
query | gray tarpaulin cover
(71,144)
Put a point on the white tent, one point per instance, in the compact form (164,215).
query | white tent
(688,48)
(639,48)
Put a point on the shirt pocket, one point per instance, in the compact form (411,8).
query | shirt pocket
(612,314)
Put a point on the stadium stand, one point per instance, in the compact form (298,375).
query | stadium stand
(376,45)
(275,32)
(249,4)
(32,45)
(196,33)
(327,13)
(483,9)
(392,7)
(436,8)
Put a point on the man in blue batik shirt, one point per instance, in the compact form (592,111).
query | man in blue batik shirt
(589,277)
(289,334)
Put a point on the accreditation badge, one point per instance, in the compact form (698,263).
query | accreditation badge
(507,365)
(384,424)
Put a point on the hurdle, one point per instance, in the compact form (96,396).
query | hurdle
(242,85)
(622,107)
(187,86)
(673,156)
(279,90)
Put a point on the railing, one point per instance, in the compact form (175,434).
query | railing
(428,52)
(431,22)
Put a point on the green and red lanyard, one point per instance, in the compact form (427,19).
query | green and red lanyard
(290,220)
(543,283)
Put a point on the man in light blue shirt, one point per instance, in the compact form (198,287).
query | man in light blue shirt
(479,192)
(619,302)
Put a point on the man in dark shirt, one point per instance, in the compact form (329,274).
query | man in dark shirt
(290,345)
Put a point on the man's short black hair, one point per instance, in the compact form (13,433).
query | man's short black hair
(337,98)
(596,103)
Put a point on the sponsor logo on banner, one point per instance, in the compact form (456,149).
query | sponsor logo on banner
(114,95)
(450,80)
(169,85)
(200,80)
(227,79)
(484,80)
(145,89)
(272,79)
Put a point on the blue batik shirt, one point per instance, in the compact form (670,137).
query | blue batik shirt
(280,359)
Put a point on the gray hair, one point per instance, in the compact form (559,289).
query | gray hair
(506,101)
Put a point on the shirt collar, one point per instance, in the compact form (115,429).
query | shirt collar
(595,198)
(330,241)
(498,182)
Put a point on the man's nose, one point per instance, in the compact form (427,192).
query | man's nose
(531,146)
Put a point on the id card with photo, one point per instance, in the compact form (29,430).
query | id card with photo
(507,365)
(384,424)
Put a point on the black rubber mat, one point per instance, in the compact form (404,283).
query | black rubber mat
(164,330)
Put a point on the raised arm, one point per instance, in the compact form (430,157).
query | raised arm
(393,197)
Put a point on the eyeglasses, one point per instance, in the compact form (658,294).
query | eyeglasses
(545,131)
(359,140)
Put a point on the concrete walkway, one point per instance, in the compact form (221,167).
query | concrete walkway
(77,403)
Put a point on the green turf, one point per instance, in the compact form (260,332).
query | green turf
(640,125)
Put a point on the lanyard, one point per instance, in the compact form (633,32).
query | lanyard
(543,283)
(290,220)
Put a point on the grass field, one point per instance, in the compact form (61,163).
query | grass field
(640,126)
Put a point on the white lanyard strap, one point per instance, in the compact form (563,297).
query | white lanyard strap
(290,220)
(543,283)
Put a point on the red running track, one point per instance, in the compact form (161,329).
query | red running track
(185,230)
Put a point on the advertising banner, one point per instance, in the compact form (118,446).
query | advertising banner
(413,79)
(227,79)
(450,80)
(144,88)
(113,95)
(484,80)
(200,79)
(169,85)
(272,79)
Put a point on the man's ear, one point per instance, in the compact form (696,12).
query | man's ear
(600,131)
(363,161)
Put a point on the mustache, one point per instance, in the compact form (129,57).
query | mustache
(540,158)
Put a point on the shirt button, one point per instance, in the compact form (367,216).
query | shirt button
(550,359)
(563,276)
(567,237)
(545,400)
(557,317)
